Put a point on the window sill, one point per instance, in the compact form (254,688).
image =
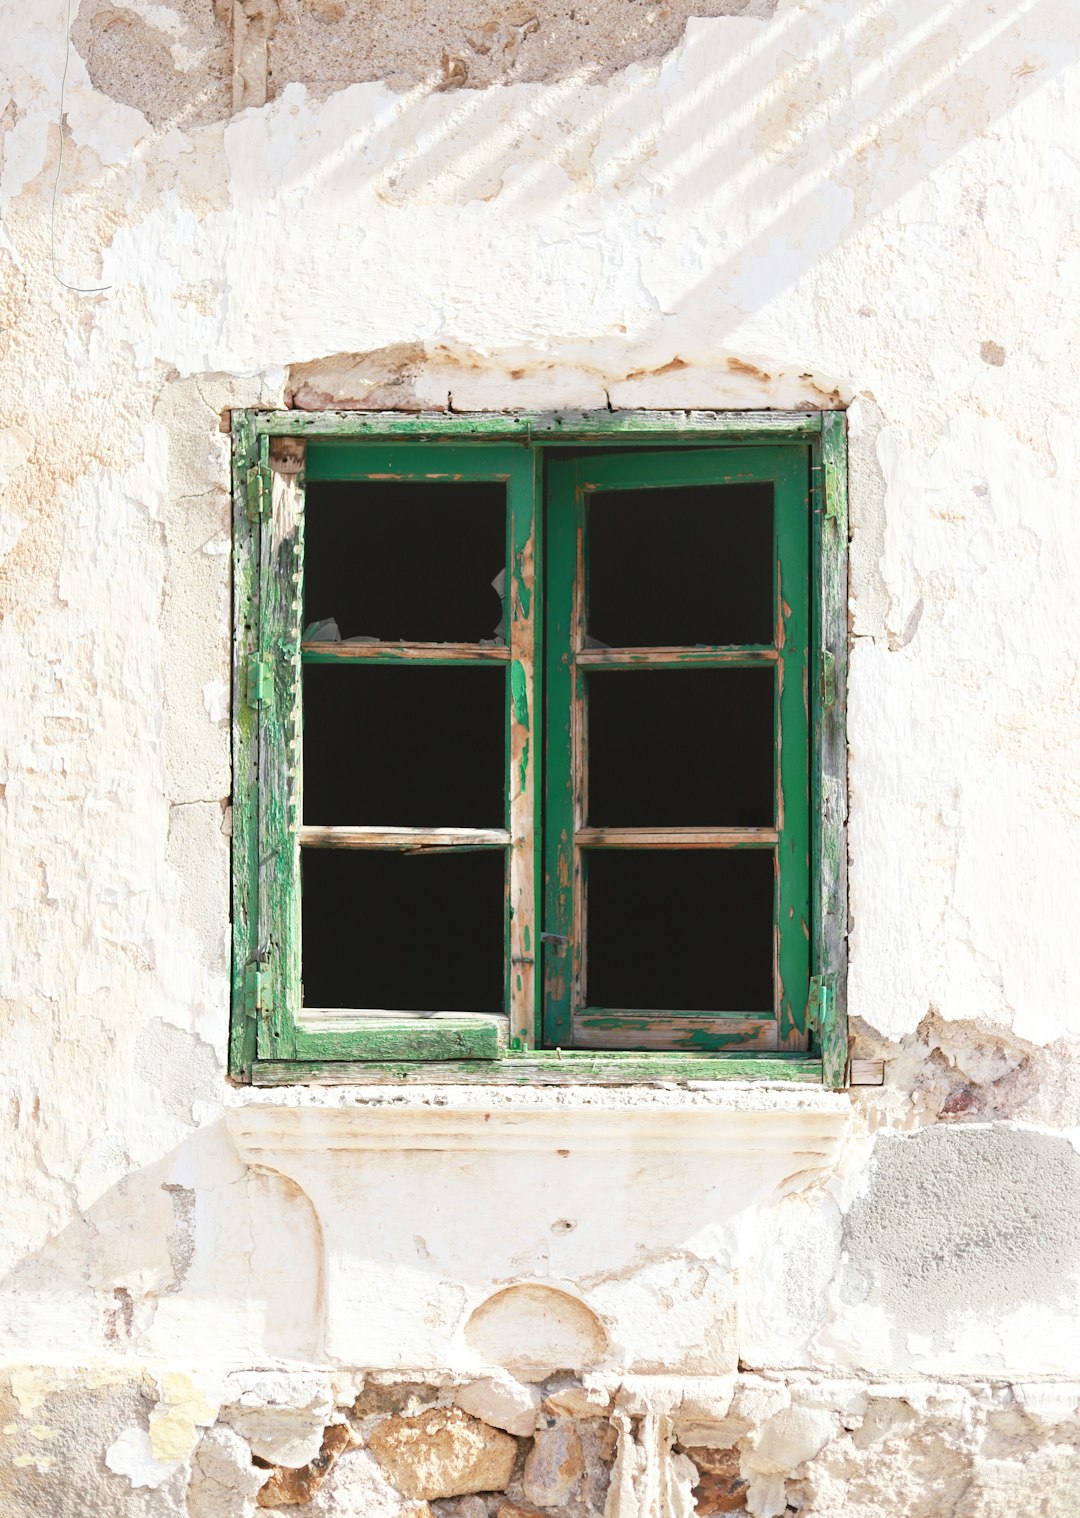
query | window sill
(602,1228)
(547,1068)
(741,1116)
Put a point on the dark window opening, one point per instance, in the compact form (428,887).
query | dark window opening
(402,933)
(679,748)
(686,566)
(404,745)
(400,561)
(680,931)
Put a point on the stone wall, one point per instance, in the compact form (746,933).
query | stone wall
(341,1445)
(364,1301)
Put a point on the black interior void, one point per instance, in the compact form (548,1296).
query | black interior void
(394,561)
(681,567)
(404,745)
(680,748)
(403,933)
(680,930)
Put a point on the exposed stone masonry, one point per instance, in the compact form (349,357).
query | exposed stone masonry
(751,1444)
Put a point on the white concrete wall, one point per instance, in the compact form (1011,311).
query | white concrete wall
(868,203)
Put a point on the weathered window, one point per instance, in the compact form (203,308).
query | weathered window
(539,748)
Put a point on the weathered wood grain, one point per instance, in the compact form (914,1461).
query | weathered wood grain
(548,1068)
(598,1028)
(317,652)
(404,840)
(830,748)
(676,838)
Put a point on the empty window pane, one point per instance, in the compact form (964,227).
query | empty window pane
(680,567)
(680,930)
(403,561)
(680,748)
(404,745)
(403,933)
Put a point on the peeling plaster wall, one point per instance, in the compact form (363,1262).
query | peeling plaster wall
(858,203)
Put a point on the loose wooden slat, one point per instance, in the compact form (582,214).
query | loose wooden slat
(867,1072)
(598,1028)
(675,658)
(317,652)
(403,840)
(676,838)
(379,1036)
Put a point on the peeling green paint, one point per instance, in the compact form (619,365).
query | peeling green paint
(518,693)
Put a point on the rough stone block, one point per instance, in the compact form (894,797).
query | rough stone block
(504,1403)
(554,1466)
(443,1452)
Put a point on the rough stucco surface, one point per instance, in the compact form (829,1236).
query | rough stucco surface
(856,1302)
(958,1225)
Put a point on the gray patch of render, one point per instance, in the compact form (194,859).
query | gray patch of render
(175,62)
(52,1466)
(956,1219)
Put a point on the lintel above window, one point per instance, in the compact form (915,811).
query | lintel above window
(539,756)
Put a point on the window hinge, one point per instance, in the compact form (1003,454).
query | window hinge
(817,1003)
(258,991)
(258,492)
(826,505)
(260,682)
(827,678)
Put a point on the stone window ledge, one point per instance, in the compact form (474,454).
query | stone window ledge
(528,1230)
(727,1119)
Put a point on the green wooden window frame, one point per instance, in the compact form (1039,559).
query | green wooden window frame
(541,460)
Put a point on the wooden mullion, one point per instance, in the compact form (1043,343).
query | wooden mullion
(560,573)
(793,637)
(315,652)
(579,750)
(524,729)
(405,840)
(245,750)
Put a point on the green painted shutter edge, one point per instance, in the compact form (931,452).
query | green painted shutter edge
(794,910)
(281,568)
(245,789)
(830,744)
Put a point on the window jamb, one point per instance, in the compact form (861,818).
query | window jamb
(825,433)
